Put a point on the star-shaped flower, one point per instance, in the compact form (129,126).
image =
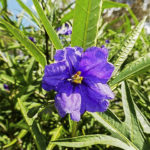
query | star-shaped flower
(80,79)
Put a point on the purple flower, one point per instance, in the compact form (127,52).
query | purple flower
(103,46)
(6,87)
(107,41)
(80,79)
(66,30)
(32,39)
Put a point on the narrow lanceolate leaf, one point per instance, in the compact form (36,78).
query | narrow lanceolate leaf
(34,128)
(143,120)
(85,23)
(110,117)
(110,4)
(128,44)
(32,49)
(134,131)
(134,68)
(52,34)
(114,125)
(29,12)
(56,133)
(88,140)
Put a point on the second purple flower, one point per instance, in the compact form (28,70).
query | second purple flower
(64,30)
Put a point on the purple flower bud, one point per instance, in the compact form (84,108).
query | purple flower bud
(32,39)
(107,41)
(6,87)
(58,29)
(66,25)
(103,46)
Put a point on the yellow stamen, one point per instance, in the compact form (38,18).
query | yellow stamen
(77,78)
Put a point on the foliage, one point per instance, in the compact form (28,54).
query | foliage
(28,118)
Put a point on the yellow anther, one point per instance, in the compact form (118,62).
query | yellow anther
(77,78)
(78,73)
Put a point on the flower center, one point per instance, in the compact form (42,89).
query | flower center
(77,78)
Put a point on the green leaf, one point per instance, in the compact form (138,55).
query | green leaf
(32,49)
(31,113)
(110,4)
(67,16)
(143,120)
(4,4)
(127,24)
(85,23)
(114,125)
(56,133)
(50,31)
(134,131)
(106,5)
(140,65)
(109,117)
(141,95)
(20,136)
(29,69)
(34,128)
(29,12)
(88,140)
(7,78)
(127,45)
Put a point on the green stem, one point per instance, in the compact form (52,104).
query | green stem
(74,129)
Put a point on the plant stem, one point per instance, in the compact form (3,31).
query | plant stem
(46,41)
(74,129)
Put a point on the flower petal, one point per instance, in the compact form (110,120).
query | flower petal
(75,115)
(92,57)
(72,57)
(59,56)
(68,31)
(101,74)
(94,64)
(92,103)
(64,87)
(97,106)
(98,90)
(69,103)
(54,75)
